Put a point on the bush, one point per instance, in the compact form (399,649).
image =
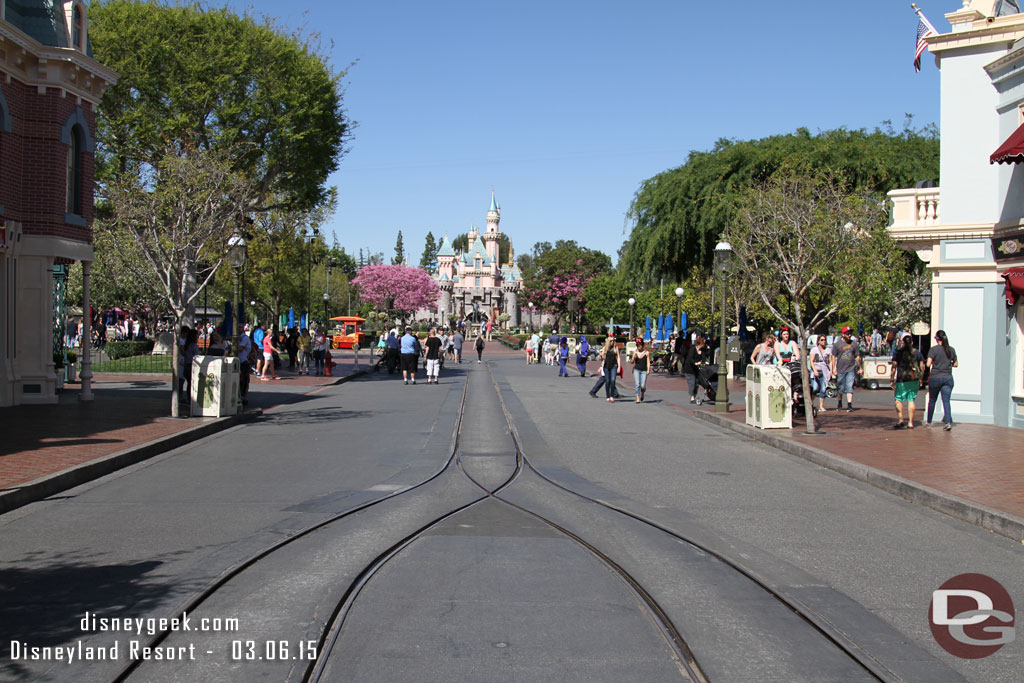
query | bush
(125,349)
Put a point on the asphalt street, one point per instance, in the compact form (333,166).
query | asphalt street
(477,530)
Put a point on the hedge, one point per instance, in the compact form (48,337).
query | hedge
(124,349)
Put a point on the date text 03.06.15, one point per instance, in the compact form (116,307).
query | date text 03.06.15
(272,650)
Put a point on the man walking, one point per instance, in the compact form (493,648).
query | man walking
(433,345)
(257,342)
(845,364)
(409,357)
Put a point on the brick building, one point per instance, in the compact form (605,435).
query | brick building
(50,87)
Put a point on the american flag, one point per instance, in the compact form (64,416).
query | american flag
(922,32)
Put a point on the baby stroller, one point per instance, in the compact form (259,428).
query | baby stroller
(796,388)
(707,378)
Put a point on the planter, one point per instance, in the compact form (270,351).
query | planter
(72,373)
(60,378)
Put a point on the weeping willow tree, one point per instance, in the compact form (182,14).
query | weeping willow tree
(678,216)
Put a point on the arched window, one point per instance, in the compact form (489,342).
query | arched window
(74,187)
(77,28)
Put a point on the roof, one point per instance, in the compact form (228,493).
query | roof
(446,248)
(42,20)
(444,277)
(494,204)
(1011,151)
(477,250)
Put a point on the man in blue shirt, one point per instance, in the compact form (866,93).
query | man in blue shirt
(410,356)
(257,342)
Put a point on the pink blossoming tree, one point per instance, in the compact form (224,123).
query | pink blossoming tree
(398,288)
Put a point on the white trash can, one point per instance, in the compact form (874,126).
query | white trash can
(768,397)
(215,386)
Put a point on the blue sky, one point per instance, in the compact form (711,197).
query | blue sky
(564,108)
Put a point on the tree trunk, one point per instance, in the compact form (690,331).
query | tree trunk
(805,381)
(175,366)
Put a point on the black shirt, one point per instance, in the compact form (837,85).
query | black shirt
(433,345)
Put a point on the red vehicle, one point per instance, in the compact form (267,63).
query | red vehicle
(347,331)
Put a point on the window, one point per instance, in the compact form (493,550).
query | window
(74,185)
(478,282)
(77,28)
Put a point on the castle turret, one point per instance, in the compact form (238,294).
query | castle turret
(492,235)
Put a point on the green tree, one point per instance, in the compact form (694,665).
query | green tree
(215,80)
(562,273)
(399,257)
(429,259)
(815,244)
(606,297)
(679,215)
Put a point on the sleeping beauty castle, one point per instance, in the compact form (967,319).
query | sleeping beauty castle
(475,286)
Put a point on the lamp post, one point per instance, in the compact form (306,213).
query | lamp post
(311,237)
(327,297)
(632,303)
(531,317)
(236,257)
(723,258)
(572,305)
(679,308)
(925,297)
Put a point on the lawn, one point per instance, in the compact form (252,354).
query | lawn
(132,365)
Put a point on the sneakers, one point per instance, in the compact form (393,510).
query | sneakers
(947,427)
(849,407)
(405,381)
(479,361)
(414,380)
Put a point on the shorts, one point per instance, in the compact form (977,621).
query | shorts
(268,356)
(845,381)
(433,367)
(906,392)
(409,361)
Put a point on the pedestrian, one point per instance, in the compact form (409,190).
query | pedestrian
(216,347)
(820,372)
(941,361)
(787,349)
(537,347)
(552,348)
(305,351)
(257,342)
(582,356)
(765,353)
(876,342)
(490,326)
(609,367)
(907,371)
(270,347)
(410,358)
(291,346)
(244,353)
(529,351)
(479,348)
(641,366)
(319,350)
(563,356)
(457,341)
(433,345)
(696,358)
(845,364)
(190,350)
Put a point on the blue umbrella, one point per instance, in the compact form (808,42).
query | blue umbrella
(683,322)
(647,330)
(669,326)
(227,328)
(661,328)
(291,317)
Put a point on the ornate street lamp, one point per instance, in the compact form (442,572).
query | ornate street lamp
(531,317)
(237,252)
(573,305)
(632,303)
(327,297)
(723,261)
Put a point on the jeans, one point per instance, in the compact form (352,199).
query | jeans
(639,381)
(819,384)
(318,360)
(691,382)
(602,381)
(937,386)
(609,382)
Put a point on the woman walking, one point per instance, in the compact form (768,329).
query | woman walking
(480,348)
(907,370)
(610,368)
(820,374)
(941,361)
(641,366)
(788,350)
(582,355)
(696,357)
(765,353)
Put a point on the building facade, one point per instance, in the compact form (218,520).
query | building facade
(970,230)
(50,87)
(475,286)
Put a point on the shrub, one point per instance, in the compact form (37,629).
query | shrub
(124,349)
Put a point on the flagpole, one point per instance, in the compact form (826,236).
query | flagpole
(924,18)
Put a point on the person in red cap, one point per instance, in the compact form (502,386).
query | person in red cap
(845,364)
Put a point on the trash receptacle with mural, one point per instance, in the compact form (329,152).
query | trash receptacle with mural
(215,385)
(768,397)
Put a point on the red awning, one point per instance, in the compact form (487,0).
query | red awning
(1014,289)
(1011,151)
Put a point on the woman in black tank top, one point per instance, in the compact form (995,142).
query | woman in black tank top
(641,366)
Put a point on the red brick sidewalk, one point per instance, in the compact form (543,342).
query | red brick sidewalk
(983,464)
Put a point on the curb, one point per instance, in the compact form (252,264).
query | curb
(44,487)
(978,514)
